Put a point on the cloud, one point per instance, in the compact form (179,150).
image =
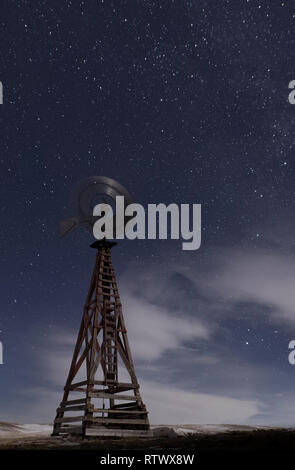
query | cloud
(154,330)
(211,291)
(256,276)
(171,405)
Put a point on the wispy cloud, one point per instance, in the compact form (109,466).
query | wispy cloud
(258,276)
(172,405)
(153,330)
(229,277)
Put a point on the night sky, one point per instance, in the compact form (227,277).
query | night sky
(180,101)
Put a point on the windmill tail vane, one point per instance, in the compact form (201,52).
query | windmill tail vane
(101,403)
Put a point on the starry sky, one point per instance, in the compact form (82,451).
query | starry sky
(180,101)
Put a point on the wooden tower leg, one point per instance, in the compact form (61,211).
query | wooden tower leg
(101,341)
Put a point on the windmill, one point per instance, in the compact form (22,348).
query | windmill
(96,400)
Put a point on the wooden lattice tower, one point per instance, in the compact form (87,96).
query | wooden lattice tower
(102,406)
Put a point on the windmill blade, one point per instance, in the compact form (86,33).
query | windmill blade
(88,193)
(89,190)
(66,226)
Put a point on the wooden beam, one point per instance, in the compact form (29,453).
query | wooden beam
(78,384)
(71,408)
(111,396)
(73,402)
(104,410)
(116,421)
(130,405)
(118,384)
(69,420)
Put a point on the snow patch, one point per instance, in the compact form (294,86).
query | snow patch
(36,429)
(182,429)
